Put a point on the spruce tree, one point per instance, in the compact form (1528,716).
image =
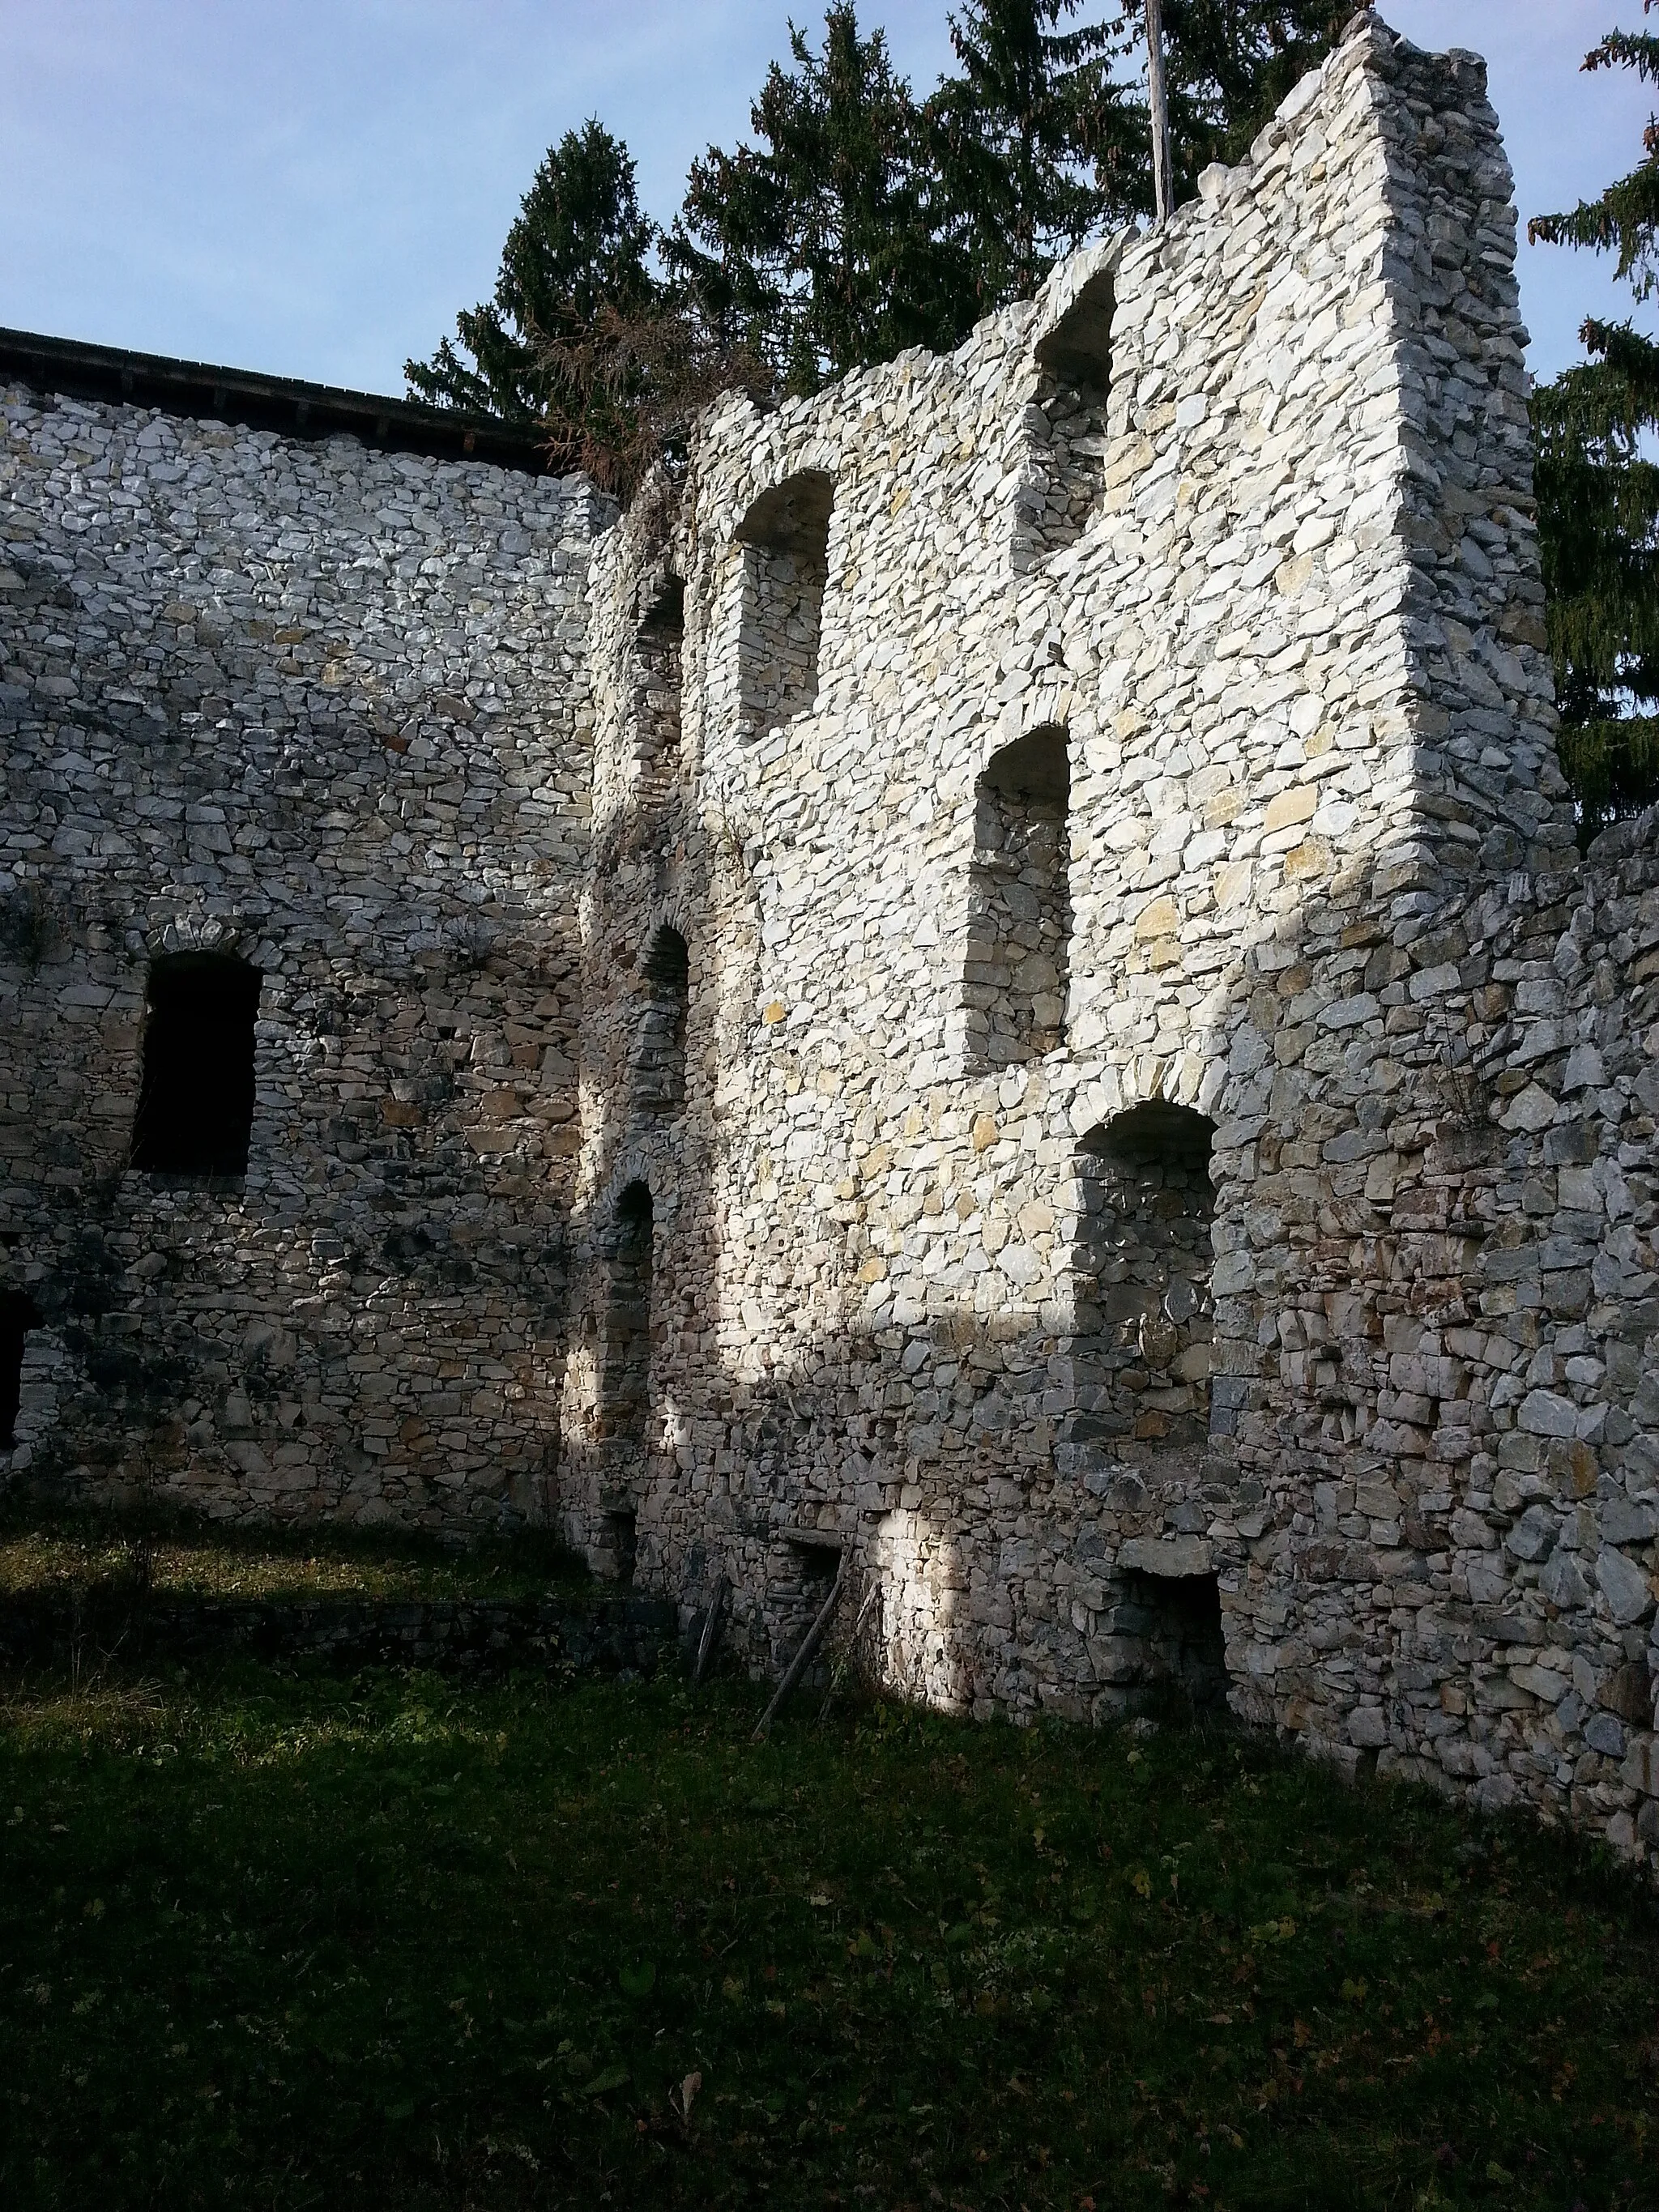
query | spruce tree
(1230,63)
(1037,146)
(1598,494)
(860,222)
(813,247)
(580,243)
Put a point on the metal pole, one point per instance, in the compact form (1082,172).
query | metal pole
(1158,92)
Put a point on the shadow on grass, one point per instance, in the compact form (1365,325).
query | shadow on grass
(282,1940)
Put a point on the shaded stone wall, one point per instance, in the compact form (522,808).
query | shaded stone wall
(325,708)
(1287,618)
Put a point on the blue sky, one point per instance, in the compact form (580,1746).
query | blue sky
(313,187)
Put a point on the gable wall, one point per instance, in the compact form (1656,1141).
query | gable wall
(1296,653)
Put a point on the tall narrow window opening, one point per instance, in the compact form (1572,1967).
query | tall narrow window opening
(658,1063)
(658,652)
(1019,904)
(195,1098)
(625,1371)
(618,1547)
(18,1316)
(1074,376)
(1145,1317)
(786,566)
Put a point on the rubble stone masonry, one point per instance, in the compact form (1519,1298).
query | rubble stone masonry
(1082,1064)
(326,710)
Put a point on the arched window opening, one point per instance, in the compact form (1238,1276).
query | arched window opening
(196,1095)
(1019,904)
(625,1363)
(785,565)
(659,1063)
(1145,1316)
(1074,371)
(18,1315)
(659,650)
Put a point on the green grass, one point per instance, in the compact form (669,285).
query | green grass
(274,1942)
(43,1553)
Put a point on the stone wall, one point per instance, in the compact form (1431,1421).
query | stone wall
(325,708)
(1074,1059)
(924,1285)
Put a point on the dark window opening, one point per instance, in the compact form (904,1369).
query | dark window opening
(1176,1620)
(18,1316)
(1074,374)
(665,616)
(1019,904)
(1145,1255)
(625,1349)
(619,1543)
(786,566)
(195,1098)
(658,1061)
(658,653)
(816,1561)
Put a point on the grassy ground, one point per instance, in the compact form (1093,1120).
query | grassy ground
(275,1941)
(43,1553)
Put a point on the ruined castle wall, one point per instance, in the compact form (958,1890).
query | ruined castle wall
(1507,1484)
(1275,580)
(325,708)
(1217,647)
(1463,1284)
(1056,1040)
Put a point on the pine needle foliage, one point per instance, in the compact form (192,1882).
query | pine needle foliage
(857,221)
(815,247)
(1037,143)
(579,243)
(1230,63)
(1598,494)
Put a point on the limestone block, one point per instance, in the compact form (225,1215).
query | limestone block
(1625,1586)
(1179,1556)
(1640,1770)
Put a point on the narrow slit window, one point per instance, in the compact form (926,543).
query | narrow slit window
(619,1543)
(659,1065)
(196,1095)
(625,1371)
(658,655)
(1074,375)
(1019,907)
(785,538)
(18,1316)
(1146,1314)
